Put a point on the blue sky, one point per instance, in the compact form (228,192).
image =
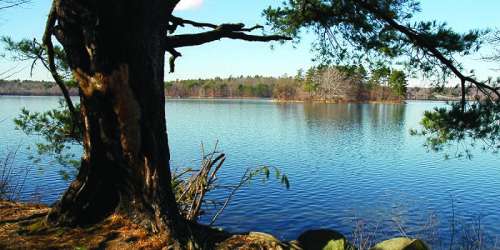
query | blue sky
(236,58)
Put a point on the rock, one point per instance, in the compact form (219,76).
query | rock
(251,241)
(262,236)
(323,239)
(401,243)
(294,245)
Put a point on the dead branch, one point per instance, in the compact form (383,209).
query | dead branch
(228,30)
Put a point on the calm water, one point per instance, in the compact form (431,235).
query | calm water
(346,163)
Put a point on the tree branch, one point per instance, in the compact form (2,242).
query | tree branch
(232,31)
(419,41)
(9,4)
(47,42)
(177,21)
(174,56)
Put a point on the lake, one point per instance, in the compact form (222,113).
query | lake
(352,167)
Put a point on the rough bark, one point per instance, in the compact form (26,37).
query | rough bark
(115,52)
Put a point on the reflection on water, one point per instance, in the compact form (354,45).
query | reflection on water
(345,162)
(365,117)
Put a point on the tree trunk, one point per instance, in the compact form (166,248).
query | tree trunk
(114,50)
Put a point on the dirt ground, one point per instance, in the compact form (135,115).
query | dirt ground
(23,226)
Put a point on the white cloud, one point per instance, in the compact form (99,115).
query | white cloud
(189,4)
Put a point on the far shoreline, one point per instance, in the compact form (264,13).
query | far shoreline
(273,100)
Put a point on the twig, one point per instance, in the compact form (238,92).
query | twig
(243,180)
(13,4)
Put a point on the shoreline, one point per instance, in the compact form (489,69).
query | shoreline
(24,226)
(260,99)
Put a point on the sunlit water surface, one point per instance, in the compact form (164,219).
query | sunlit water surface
(348,165)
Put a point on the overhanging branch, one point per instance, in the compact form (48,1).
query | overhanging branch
(232,31)
(418,40)
(187,40)
(177,21)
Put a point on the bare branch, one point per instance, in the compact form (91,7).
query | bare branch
(10,72)
(177,21)
(253,28)
(230,30)
(11,4)
(174,56)
(47,41)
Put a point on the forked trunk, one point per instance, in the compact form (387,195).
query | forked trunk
(114,50)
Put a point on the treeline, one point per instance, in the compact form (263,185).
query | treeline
(31,88)
(333,84)
(232,87)
(327,83)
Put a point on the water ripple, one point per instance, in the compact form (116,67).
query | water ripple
(345,162)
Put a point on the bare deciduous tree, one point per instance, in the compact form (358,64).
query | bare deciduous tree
(334,84)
